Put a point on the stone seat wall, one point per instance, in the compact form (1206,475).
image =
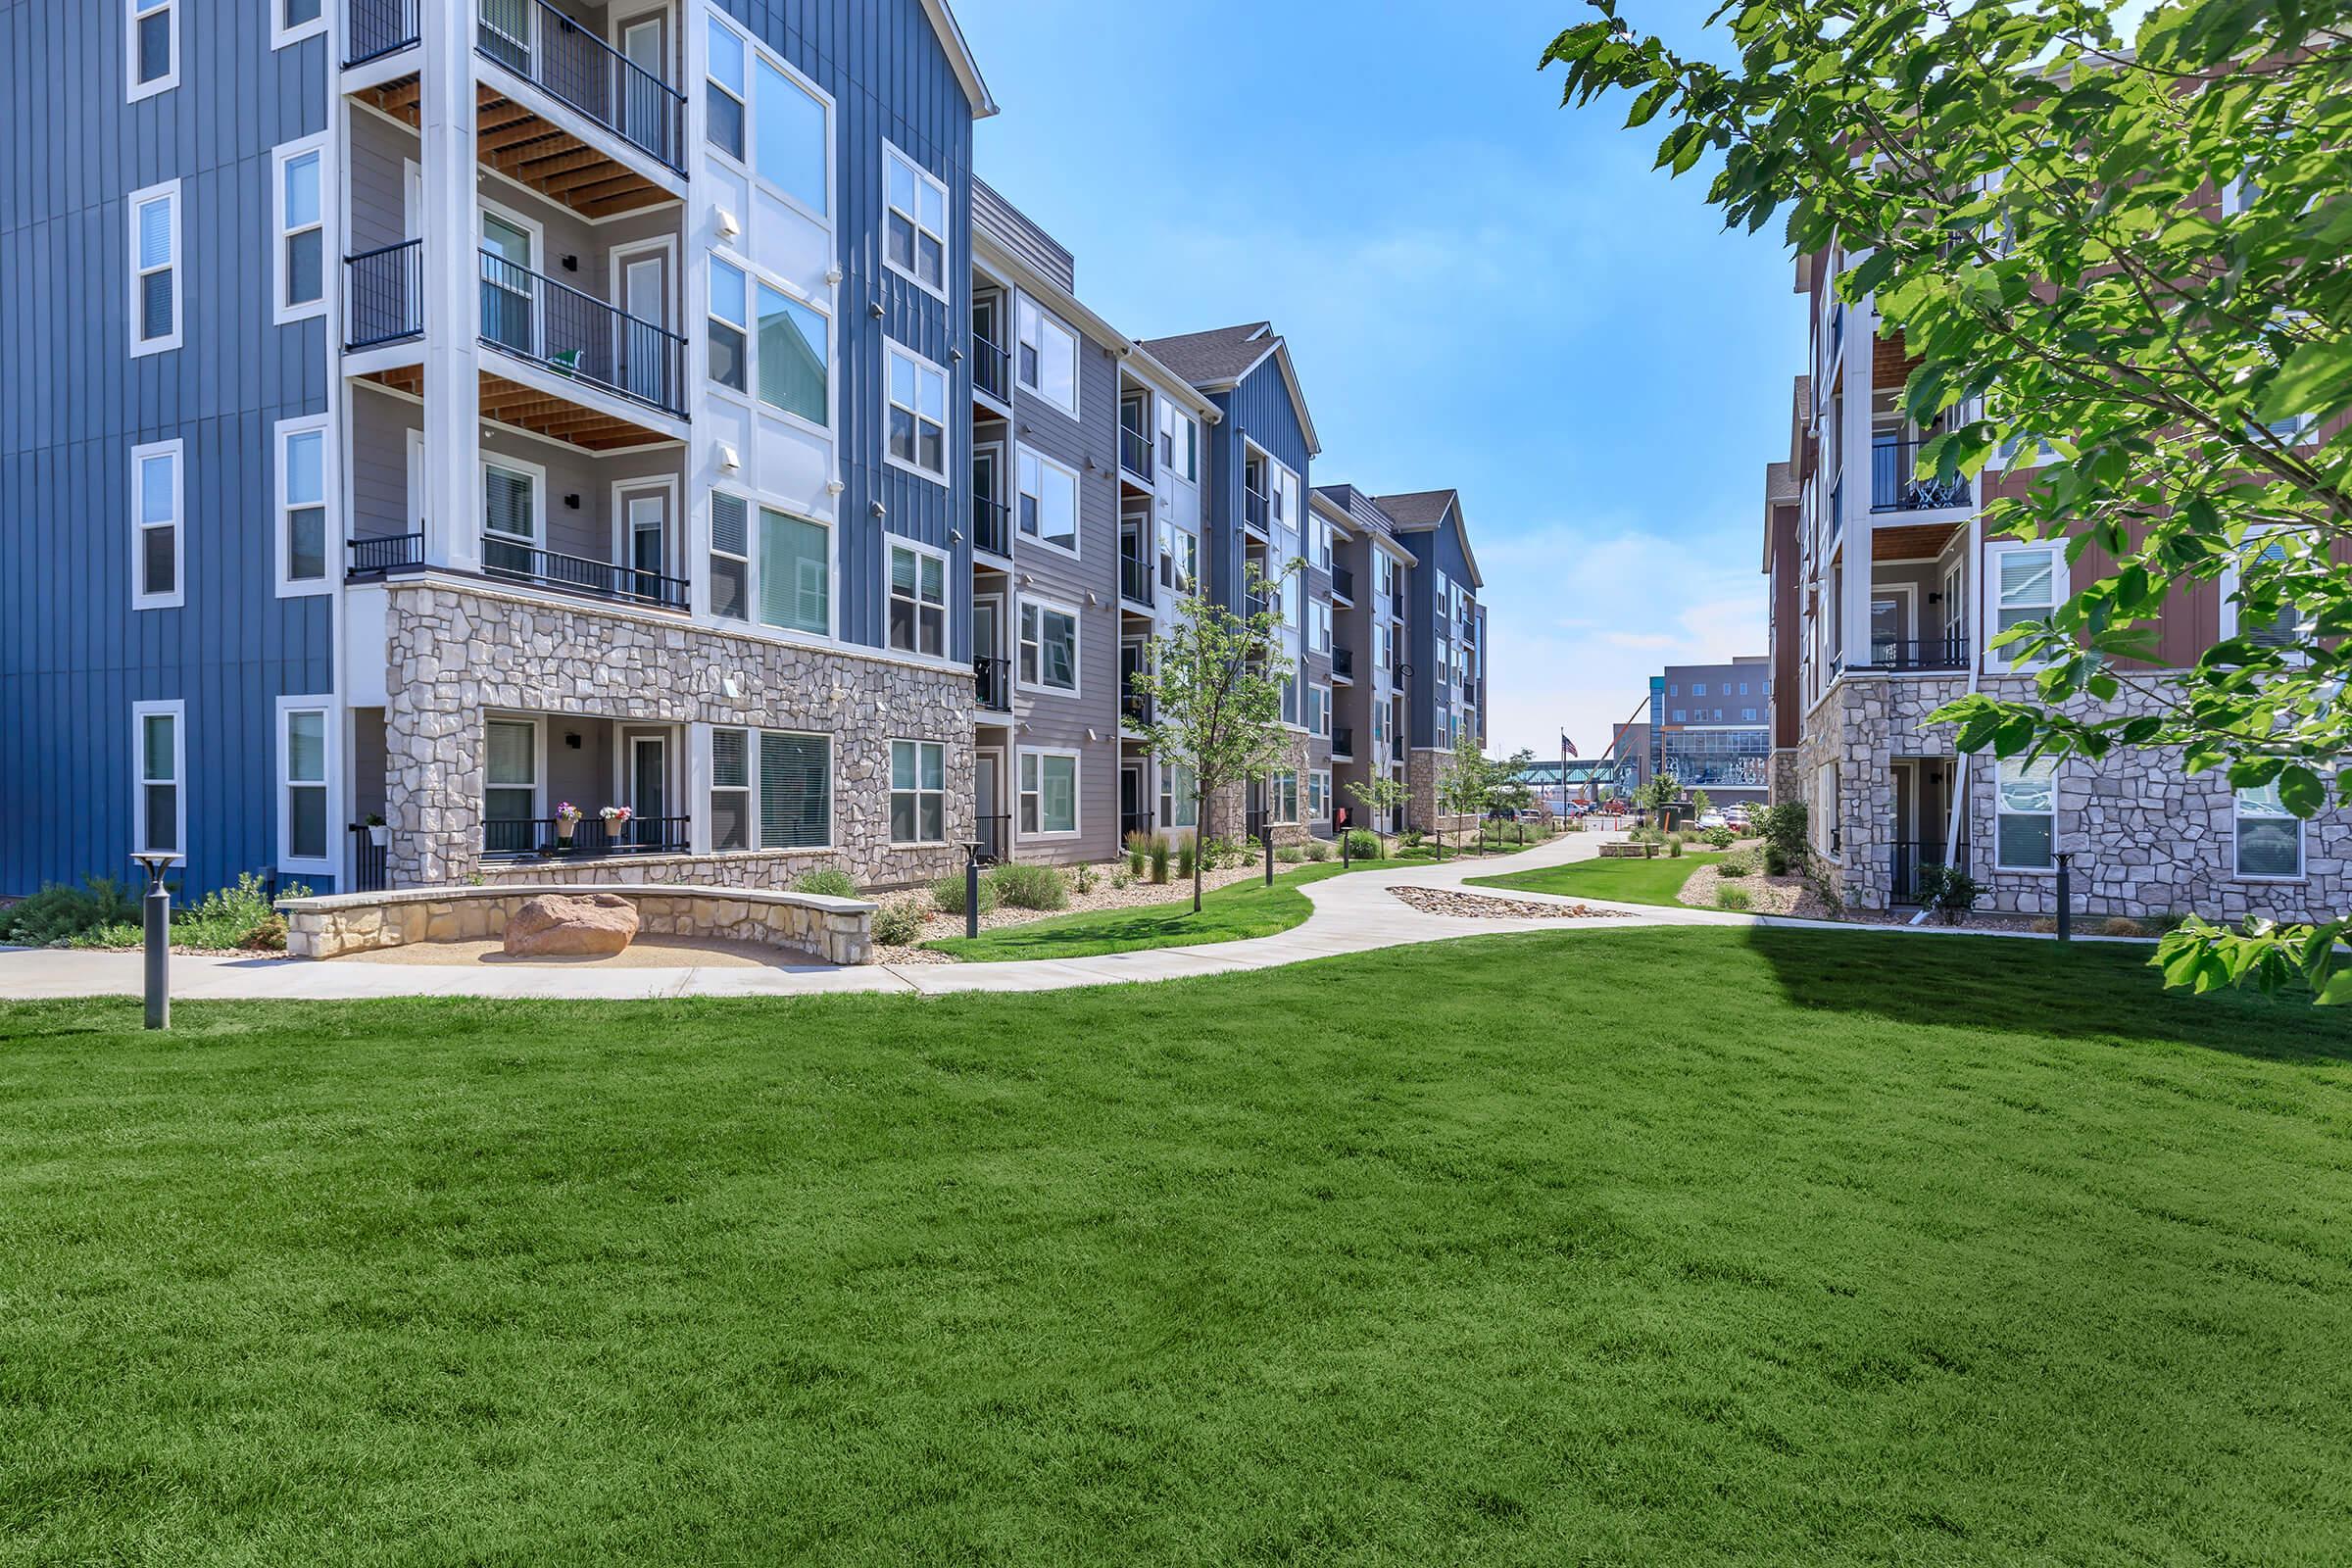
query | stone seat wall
(835,930)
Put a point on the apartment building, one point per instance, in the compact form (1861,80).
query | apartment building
(1445,640)
(1709,728)
(1884,592)
(1368,667)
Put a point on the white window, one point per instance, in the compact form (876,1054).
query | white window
(919,600)
(2026,580)
(303,784)
(1320,626)
(770,790)
(728,338)
(513,514)
(159,761)
(791,135)
(1318,706)
(1179,796)
(155,268)
(300,250)
(1185,459)
(1321,538)
(509,782)
(919,791)
(1698,688)
(730,556)
(1318,797)
(158,572)
(2026,815)
(917,413)
(793,573)
(1049,793)
(914,222)
(293,21)
(2268,838)
(792,356)
(1289,697)
(1282,797)
(1046,357)
(1046,501)
(2290,629)
(1049,651)
(722,106)
(303,539)
(153,46)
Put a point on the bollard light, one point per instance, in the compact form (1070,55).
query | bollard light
(2066,895)
(971,887)
(157,939)
(1269,837)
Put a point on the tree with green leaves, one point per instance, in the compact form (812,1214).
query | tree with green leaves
(1380,793)
(1508,788)
(1215,684)
(2121,251)
(1462,786)
(1702,802)
(1659,794)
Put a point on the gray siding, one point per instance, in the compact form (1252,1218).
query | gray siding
(1017,233)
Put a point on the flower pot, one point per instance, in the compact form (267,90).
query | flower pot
(563,827)
(380,835)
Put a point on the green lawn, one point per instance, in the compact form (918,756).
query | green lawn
(1652,881)
(1639,1247)
(1235,910)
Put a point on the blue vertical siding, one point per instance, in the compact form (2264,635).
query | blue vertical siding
(891,80)
(1260,409)
(1435,550)
(74,655)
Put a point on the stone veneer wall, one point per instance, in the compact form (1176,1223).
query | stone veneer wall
(1424,766)
(836,930)
(1785,773)
(2146,838)
(459,651)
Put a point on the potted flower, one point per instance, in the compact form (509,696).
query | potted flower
(567,817)
(616,821)
(378,834)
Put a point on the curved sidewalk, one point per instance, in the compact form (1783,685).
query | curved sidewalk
(1353,914)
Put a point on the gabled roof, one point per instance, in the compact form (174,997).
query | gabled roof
(1222,357)
(1419,510)
(960,56)
(1361,516)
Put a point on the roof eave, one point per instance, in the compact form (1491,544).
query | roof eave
(960,56)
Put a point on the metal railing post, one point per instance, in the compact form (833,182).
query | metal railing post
(2066,895)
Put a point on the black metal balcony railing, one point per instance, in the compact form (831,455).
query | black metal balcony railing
(604,579)
(1895,485)
(543,836)
(1907,860)
(552,51)
(1254,823)
(1342,662)
(1926,652)
(1134,577)
(992,368)
(534,317)
(991,526)
(1396,748)
(1342,584)
(1133,824)
(383,295)
(995,834)
(375,29)
(1135,708)
(1135,450)
(373,558)
(371,861)
(1396,604)
(1343,741)
(992,684)
(1255,509)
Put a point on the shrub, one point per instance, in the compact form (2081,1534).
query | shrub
(1775,860)
(825,881)
(948,893)
(270,936)
(2122,925)
(2164,925)
(1317,849)
(1084,877)
(2045,924)
(1782,828)
(223,917)
(58,913)
(1139,850)
(1575,824)
(1362,844)
(1030,886)
(1728,897)
(1186,854)
(1643,833)
(1412,838)
(1160,859)
(1674,846)
(1739,863)
(1291,853)
(897,924)
(1722,838)
(1122,878)
(1948,891)
(1218,854)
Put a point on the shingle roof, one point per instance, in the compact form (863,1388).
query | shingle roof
(1221,354)
(1417,508)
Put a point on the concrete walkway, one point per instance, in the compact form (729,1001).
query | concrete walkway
(1353,914)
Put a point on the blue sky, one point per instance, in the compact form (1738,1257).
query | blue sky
(1481,289)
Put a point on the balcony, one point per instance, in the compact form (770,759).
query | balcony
(992,369)
(991,526)
(1255,510)
(383,295)
(1895,485)
(1135,576)
(573,65)
(1135,708)
(543,838)
(992,684)
(375,29)
(1342,664)
(523,561)
(1901,655)
(1342,584)
(580,337)
(1135,452)
(384,555)
(1343,743)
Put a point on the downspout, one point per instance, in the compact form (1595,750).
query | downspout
(1976,663)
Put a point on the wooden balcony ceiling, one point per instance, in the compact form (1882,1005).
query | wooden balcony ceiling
(527,408)
(513,141)
(1914,541)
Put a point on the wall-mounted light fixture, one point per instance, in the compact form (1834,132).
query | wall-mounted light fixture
(571,503)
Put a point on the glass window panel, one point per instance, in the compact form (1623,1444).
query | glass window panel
(727,57)
(795,785)
(726,356)
(306,748)
(156,496)
(730,758)
(159,764)
(306,822)
(511,759)
(727,292)
(902,765)
(792,356)
(302,190)
(305,267)
(306,479)
(306,544)
(159,554)
(163,817)
(934,762)
(155,46)
(155,233)
(901,185)
(795,573)
(790,129)
(155,305)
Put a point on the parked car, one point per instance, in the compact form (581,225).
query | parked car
(1714,819)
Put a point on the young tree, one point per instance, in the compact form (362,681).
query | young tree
(1660,792)
(1508,788)
(1701,804)
(2029,198)
(1380,794)
(1462,786)
(1215,687)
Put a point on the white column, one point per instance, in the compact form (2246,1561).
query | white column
(1854,428)
(452,289)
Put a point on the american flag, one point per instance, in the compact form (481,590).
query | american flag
(1566,745)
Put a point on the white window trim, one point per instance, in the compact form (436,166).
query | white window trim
(946,249)
(755,51)
(1998,864)
(325,705)
(140,713)
(753,279)
(167,190)
(2237,872)
(2003,660)
(1077,401)
(482,496)
(1074,550)
(947,422)
(1077,647)
(176,450)
(281,36)
(2232,578)
(919,791)
(757,577)
(133,88)
(280,313)
(281,532)
(946,607)
(1321,691)
(1077,793)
